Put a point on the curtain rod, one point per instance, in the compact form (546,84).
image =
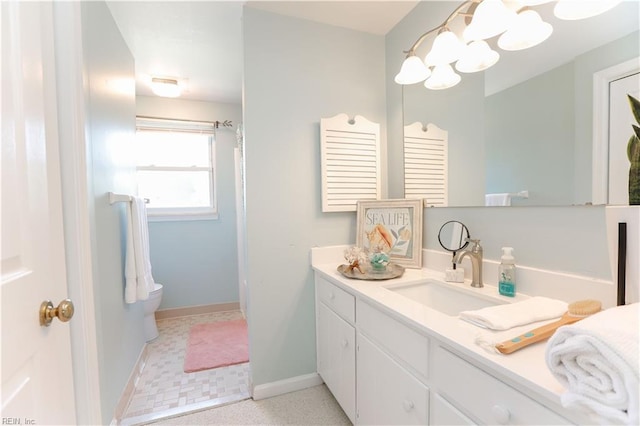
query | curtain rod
(216,124)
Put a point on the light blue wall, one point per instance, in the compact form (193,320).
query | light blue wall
(111,126)
(295,73)
(569,239)
(196,261)
(529,139)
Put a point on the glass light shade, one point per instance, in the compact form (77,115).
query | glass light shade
(534,2)
(165,87)
(580,9)
(478,56)
(490,18)
(447,48)
(413,70)
(527,30)
(442,77)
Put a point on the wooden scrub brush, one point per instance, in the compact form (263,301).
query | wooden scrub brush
(576,312)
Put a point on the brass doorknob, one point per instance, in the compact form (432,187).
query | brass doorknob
(63,312)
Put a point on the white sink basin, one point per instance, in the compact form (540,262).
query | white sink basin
(448,298)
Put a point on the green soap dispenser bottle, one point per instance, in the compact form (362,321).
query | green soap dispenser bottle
(507,273)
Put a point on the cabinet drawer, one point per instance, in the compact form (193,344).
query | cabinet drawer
(398,339)
(485,398)
(337,299)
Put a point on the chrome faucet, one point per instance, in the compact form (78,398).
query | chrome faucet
(475,255)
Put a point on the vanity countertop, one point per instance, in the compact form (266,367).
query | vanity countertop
(525,368)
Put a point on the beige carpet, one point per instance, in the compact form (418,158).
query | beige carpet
(312,406)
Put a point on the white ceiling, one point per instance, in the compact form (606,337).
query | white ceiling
(200,42)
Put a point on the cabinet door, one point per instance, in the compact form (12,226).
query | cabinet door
(337,358)
(387,393)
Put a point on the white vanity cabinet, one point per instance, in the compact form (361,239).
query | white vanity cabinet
(336,343)
(382,370)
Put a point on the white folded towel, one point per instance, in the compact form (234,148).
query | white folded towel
(596,359)
(504,317)
(138,278)
(502,199)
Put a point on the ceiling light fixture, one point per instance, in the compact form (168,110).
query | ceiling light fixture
(485,19)
(165,87)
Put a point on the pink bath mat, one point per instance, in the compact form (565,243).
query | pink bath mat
(216,344)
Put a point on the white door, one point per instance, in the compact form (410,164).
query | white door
(619,132)
(37,384)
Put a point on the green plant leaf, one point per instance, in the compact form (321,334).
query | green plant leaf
(635,107)
(636,129)
(633,149)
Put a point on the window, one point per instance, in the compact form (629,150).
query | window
(175,166)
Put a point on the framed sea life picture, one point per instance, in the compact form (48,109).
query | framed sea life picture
(392,226)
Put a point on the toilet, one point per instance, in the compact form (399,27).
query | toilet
(150,307)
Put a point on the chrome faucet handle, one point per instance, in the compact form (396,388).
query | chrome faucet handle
(475,247)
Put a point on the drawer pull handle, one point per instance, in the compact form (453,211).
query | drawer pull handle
(345,343)
(501,414)
(408,405)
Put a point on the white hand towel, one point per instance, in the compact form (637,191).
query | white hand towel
(503,199)
(139,281)
(504,317)
(131,281)
(596,359)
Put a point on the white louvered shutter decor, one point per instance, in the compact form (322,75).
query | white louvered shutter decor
(351,169)
(426,164)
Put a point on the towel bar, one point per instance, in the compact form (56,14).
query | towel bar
(121,198)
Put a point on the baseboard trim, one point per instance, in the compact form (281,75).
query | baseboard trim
(281,387)
(130,387)
(196,310)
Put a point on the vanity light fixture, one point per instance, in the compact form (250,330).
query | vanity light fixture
(165,87)
(518,29)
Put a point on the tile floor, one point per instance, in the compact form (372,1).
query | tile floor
(164,389)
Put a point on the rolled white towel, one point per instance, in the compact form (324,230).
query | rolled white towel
(504,317)
(596,359)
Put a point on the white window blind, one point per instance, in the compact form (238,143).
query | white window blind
(351,166)
(426,164)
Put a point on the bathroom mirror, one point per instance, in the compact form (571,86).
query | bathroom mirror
(526,124)
(453,236)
